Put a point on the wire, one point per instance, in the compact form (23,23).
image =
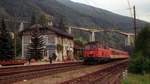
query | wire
(130,9)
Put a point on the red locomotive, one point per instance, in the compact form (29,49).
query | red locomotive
(95,52)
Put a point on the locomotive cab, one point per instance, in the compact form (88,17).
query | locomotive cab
(94,52)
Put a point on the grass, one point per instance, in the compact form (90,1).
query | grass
(137,79)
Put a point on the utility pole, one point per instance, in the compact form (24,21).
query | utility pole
(135,28)
(15,42)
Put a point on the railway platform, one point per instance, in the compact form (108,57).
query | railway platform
(37,63)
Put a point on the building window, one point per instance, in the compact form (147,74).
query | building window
(51,39)
(27,39)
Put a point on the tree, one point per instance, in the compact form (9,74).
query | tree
(43,20)
(6,43)
(36,47)
(33,20)
(59,47)
(140,60)
(79,42)
(61,25)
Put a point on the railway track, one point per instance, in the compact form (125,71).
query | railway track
(10,75)
(102,76)
(106,75)
(19,69)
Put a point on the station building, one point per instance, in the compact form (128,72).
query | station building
(56,41)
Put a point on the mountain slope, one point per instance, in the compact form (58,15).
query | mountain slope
(74,13)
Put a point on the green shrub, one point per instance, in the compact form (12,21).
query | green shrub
(136,64)
(140,60)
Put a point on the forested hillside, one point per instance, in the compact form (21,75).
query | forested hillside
(73,13)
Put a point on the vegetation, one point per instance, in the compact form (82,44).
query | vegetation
(43,20)
(59,47)
(137,79)
(54,56)
(6,43)
(18,46)
(75,13)
(36,47)
(33,20)
(79,43)
(80,40)
(140,60)
(62,25)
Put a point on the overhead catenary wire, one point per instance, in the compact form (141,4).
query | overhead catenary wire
(130,8)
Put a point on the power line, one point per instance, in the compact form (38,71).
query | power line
(130,9)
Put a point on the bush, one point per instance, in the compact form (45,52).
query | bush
(54,56)
(140,60)
(136,64)
(59,47)
(147,65)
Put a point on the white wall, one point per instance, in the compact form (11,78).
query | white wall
(51,39)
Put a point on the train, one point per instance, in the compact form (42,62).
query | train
(95,52)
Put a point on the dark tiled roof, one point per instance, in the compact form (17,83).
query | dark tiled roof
(48,28)
(60,32)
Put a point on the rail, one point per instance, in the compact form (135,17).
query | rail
(13,74)
(104,76)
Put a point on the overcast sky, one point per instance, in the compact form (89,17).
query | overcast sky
(121,6)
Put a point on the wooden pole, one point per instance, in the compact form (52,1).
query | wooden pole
(135,28)
(15,37)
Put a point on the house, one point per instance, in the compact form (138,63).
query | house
(56,41)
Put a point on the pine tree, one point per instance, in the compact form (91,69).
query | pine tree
(6,43)
(36,47)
